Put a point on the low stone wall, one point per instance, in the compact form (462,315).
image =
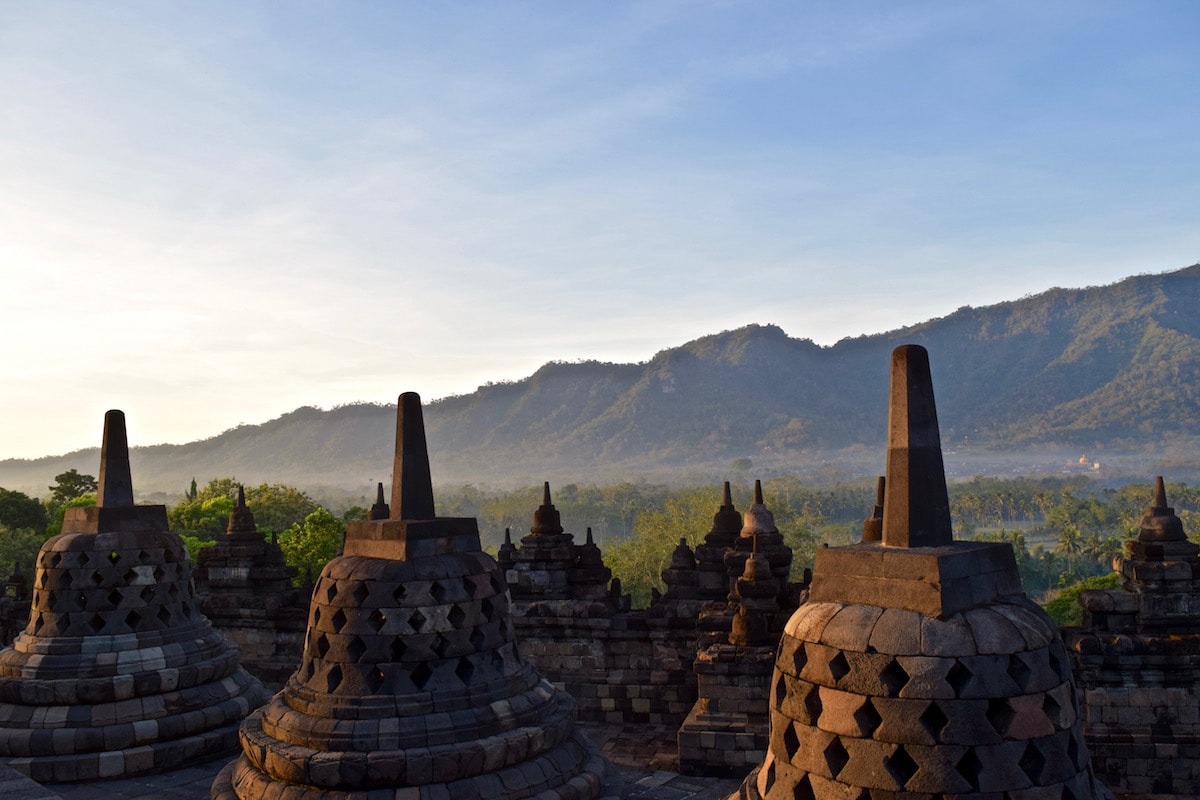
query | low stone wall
(1140,702)
(631,667)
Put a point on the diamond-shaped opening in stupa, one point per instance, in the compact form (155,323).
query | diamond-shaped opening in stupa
(836,756)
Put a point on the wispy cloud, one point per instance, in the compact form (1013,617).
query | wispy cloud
(219,212)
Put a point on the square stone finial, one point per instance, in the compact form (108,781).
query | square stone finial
(916,509)
(935,581)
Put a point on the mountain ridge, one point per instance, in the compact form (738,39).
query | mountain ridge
(1102,367)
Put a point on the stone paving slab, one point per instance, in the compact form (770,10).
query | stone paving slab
(645,756)
(15,786)
(188,783)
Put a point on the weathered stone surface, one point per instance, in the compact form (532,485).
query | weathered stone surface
(117,672)
(850,628)
(933,581)
(916,508)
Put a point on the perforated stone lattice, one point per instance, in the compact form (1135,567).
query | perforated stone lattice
(991,710)
(371,636)
(112,592)
(117,672)
(410,676)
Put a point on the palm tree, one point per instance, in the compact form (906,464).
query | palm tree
(1070,544)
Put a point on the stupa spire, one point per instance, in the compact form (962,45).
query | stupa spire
(412,486)
(851,713)
(115,487)
(1160,523)
(411,631)
(380,510)
(241,519)
(546,519)
(916,508)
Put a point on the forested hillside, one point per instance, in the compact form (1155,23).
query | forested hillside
(1108,369)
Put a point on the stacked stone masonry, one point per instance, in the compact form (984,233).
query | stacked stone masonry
(727,731)
(628,667)
(619,665)
(1137,660)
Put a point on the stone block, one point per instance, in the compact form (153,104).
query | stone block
(935,581)
(993,632)
(850,629)
(947,637)
(898,632)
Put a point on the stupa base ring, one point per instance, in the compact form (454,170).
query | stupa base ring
(595,780)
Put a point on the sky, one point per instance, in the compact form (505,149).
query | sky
(213,213)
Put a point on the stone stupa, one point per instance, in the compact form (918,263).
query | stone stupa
(117,673)
(245,590)
(1136,657)
(918,668)
(411,684)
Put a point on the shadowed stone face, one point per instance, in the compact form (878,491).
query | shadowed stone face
(872,530)
(916,508)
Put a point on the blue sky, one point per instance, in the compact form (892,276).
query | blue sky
(212,213)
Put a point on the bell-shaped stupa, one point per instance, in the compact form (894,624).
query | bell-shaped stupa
(117,672)
(411,684)
(918,668)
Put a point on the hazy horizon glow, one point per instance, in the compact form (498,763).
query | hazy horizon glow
(216,213)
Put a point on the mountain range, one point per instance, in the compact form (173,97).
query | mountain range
(1109,371)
